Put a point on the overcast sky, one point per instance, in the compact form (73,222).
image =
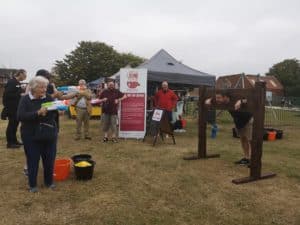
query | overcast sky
(217,37)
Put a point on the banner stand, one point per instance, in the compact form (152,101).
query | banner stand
(132,115)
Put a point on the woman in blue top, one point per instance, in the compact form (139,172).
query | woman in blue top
(32,114)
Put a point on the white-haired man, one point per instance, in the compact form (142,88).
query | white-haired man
(166,99)
(83,109)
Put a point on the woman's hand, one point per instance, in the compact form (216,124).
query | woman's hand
(42,111)
(237,105)
(208,101)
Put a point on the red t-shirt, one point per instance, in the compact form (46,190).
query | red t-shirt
(110,107)
(165,100)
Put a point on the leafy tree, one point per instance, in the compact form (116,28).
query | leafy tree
(130,59)
(92,60)
(288,73)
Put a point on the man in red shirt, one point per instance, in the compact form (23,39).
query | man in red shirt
(165,99)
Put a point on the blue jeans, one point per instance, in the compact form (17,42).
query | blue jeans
(34,151)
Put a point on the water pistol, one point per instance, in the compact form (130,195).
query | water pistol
(68,89)
(96,101)
(55,105)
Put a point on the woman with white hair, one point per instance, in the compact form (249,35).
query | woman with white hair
(38,132)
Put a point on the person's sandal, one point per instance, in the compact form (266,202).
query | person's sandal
(105,139)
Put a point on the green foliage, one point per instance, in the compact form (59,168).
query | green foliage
(130,59)
(288,73)
(92,60)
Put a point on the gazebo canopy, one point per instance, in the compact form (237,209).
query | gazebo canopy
(95,83)
(162,66)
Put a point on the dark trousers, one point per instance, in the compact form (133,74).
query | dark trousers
(56,118)
(169,114)
(36,150)
(11,130)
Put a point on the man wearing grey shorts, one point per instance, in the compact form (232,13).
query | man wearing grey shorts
(111,98)
(243,123)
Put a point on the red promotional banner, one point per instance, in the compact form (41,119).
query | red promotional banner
(133,112)
(133,83)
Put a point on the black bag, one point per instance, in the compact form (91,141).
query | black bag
(4,114)
(45,132)
(178,125)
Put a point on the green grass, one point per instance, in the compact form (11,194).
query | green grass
(135,183)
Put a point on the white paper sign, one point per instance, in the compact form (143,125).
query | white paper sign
(157,114)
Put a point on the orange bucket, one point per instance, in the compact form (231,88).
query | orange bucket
(271,135)
(61,169)
(183,123)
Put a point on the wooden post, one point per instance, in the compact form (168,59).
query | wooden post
(257,136)
(202,125)
(258,127)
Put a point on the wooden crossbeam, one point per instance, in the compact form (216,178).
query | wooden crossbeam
(236,94)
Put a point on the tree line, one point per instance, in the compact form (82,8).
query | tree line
(92,60)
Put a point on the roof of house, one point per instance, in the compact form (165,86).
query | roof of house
(7,72)
(272,83)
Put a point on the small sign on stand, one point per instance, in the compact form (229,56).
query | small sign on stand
(157,115)
(159,125)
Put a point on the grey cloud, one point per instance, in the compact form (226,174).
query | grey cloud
(218,37)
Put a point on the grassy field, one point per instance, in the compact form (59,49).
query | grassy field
(135,183)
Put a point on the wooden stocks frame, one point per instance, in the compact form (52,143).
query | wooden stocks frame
(256,105)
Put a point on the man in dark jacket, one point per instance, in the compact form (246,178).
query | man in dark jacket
(11,97)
